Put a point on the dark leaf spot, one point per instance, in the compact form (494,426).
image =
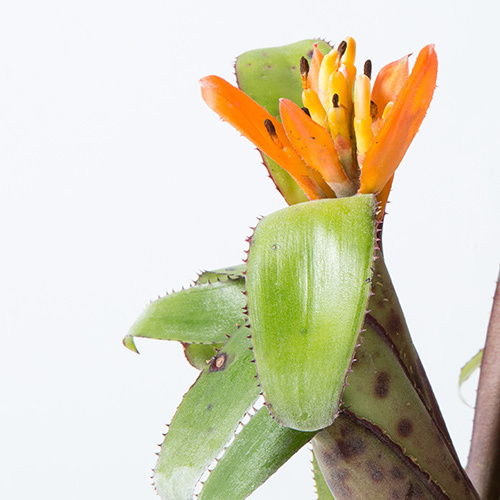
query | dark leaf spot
(394,324)
(382,385)
(218,362)
(397,473)
(340,475)
(376,473)
(348,448)
(405,427)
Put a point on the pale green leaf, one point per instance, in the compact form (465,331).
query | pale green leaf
(257,452)
(200,314)
(467,370)
(308,282)
(206,419)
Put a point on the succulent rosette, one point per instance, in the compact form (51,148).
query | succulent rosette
(306,341)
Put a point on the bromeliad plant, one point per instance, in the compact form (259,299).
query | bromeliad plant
(310,324)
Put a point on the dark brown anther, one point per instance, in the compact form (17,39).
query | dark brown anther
(373,109)
(306,111)
(367,69)
(270,128)
(342,48)
(335,100)
(304,66)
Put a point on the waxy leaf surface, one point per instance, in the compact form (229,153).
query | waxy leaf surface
(359,461)
(381,390)
(201,314)
(308,282)
(257,452)
(322,490)
(232,272)
(199,355)
(267,75)
(206,419)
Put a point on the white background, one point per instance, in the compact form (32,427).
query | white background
(118,184)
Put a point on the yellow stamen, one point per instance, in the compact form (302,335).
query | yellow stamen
(378,122)
(329,65)
(339,130)
(311,101)
(337,84)
(387,110)
(350,53)
(348,64)
(337,120)
(362,116)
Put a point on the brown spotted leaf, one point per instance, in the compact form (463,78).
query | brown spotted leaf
(360,461)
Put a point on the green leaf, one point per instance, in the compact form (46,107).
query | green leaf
(307,279)
(199,355)
(468,369)
(233,272)
(257,452)
(200,314)
(322,490)
(267,75)
(284,182)
(359,461)
(206,419)
(381,391)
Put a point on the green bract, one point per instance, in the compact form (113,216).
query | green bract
(308,283)
(268,74)
(206,313)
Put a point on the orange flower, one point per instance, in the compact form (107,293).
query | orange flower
(348,137)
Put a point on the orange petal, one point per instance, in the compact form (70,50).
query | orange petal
(314,144)
(389,83)
(402,123)
(312,77)
(248,117)
(382,198)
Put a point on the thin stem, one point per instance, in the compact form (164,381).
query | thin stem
(484,457)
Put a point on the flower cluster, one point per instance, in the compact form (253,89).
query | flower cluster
(350,135)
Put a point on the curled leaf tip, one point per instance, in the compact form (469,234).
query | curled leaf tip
(128,342)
